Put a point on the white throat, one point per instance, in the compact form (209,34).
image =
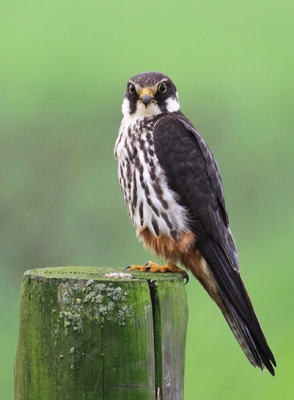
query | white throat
(150,111)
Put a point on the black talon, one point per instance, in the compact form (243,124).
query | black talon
(185,276)
(148,268)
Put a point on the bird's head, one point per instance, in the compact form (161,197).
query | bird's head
(149,94)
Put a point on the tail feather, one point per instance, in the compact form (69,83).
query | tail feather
(250,345)
(237,307)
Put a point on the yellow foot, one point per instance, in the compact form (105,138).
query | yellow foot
(151,266)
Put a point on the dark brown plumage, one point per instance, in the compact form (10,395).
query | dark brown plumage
(173,191)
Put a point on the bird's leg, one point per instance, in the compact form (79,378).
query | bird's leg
(153,267)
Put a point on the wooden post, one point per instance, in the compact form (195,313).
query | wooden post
(84,335)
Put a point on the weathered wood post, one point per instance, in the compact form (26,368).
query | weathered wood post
(84,335)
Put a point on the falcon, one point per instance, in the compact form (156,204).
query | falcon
(174,195)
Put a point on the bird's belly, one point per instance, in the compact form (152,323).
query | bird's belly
(151,203)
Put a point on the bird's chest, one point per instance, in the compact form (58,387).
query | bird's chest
(151,203)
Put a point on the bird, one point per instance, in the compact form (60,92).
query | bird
(174,195)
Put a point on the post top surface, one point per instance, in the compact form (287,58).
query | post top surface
(100,273)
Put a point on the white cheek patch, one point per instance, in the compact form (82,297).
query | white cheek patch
(125,108)
(172,105)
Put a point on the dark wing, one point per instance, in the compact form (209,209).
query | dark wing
(193,175)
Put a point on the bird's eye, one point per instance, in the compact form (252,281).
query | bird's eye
(132,88)
(162,87)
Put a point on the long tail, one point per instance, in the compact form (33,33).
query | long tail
(226,287)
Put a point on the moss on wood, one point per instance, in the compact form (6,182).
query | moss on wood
(84,335)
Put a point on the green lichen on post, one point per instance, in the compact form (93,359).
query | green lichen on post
(86,336)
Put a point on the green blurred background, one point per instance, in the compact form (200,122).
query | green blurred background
(64,66)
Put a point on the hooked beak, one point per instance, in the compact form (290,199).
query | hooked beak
(146,95)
